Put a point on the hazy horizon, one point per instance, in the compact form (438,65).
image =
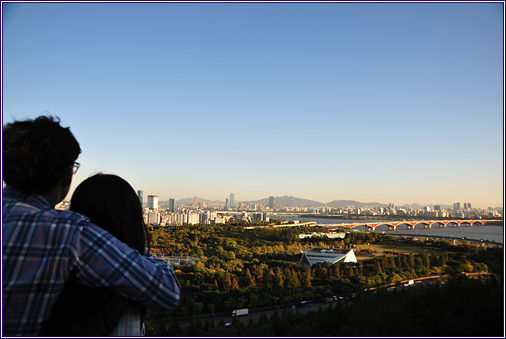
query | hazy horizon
(190,200)
(375,102)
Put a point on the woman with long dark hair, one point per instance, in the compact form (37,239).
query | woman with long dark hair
(111,203)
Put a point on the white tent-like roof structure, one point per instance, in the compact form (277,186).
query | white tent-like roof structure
(315,255)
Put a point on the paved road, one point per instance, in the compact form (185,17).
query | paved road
(255,315)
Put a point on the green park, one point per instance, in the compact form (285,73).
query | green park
(259,268)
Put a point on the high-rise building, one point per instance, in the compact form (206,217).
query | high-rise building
(456,206)
(232,200)
(172,205)
(153,202)
(140,194)
(271,202)
(227,204)
(195,201)
(437,207)
(469,205)
(153,218)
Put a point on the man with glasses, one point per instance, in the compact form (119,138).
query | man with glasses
(75,167)
(43,247)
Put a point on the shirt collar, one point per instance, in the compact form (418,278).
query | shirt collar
(10,193)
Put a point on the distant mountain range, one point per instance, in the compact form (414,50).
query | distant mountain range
(288,201)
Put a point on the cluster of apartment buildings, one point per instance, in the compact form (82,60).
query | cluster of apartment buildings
(202,212)
(436,212)
(178,215)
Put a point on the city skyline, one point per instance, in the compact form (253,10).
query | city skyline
(455,205)
(374,102)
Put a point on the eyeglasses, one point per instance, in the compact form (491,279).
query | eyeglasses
(75,167)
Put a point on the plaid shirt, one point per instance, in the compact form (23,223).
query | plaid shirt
(42,246)
(129,325)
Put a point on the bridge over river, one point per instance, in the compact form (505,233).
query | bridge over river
(409,224)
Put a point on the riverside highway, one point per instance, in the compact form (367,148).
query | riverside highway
(254,314)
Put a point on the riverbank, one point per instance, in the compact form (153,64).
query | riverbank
(492,231)
(490,221)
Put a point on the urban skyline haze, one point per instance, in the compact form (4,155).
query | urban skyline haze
(390,102)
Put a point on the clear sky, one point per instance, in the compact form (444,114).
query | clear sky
(376,102)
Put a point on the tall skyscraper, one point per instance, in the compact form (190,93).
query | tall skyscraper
(195,201)
(232,200)
(271,202)
(227,204)
(140,194)
(153,202)
(172,205)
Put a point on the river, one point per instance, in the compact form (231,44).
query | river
(491,233)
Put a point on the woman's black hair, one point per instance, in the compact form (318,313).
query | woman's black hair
(111,203)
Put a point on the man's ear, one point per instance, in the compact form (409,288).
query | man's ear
(67,179)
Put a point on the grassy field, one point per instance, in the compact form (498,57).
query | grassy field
(379,248)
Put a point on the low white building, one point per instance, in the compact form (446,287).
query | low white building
(315,255)
(328,235)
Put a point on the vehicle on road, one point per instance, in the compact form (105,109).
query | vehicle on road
(240,312)
(306,303)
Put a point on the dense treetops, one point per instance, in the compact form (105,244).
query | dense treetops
(256,268)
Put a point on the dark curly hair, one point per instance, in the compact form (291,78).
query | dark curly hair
(37,154)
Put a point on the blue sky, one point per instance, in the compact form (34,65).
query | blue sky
(386,102)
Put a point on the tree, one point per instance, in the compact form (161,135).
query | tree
(349,271)
(398,262)
(434,259)
(425,259)
(385,263)
(235,283)
(247,279)
(263,319)
(411,260)
(404,261)
(161,330)
(227,283)
(174,328)
(443,259)
(377,267)
(334,271)
(319,272)
(266,278)
(305,278)
(278,278)
(391,262)
(291,279)
(230,303)
(197,307)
